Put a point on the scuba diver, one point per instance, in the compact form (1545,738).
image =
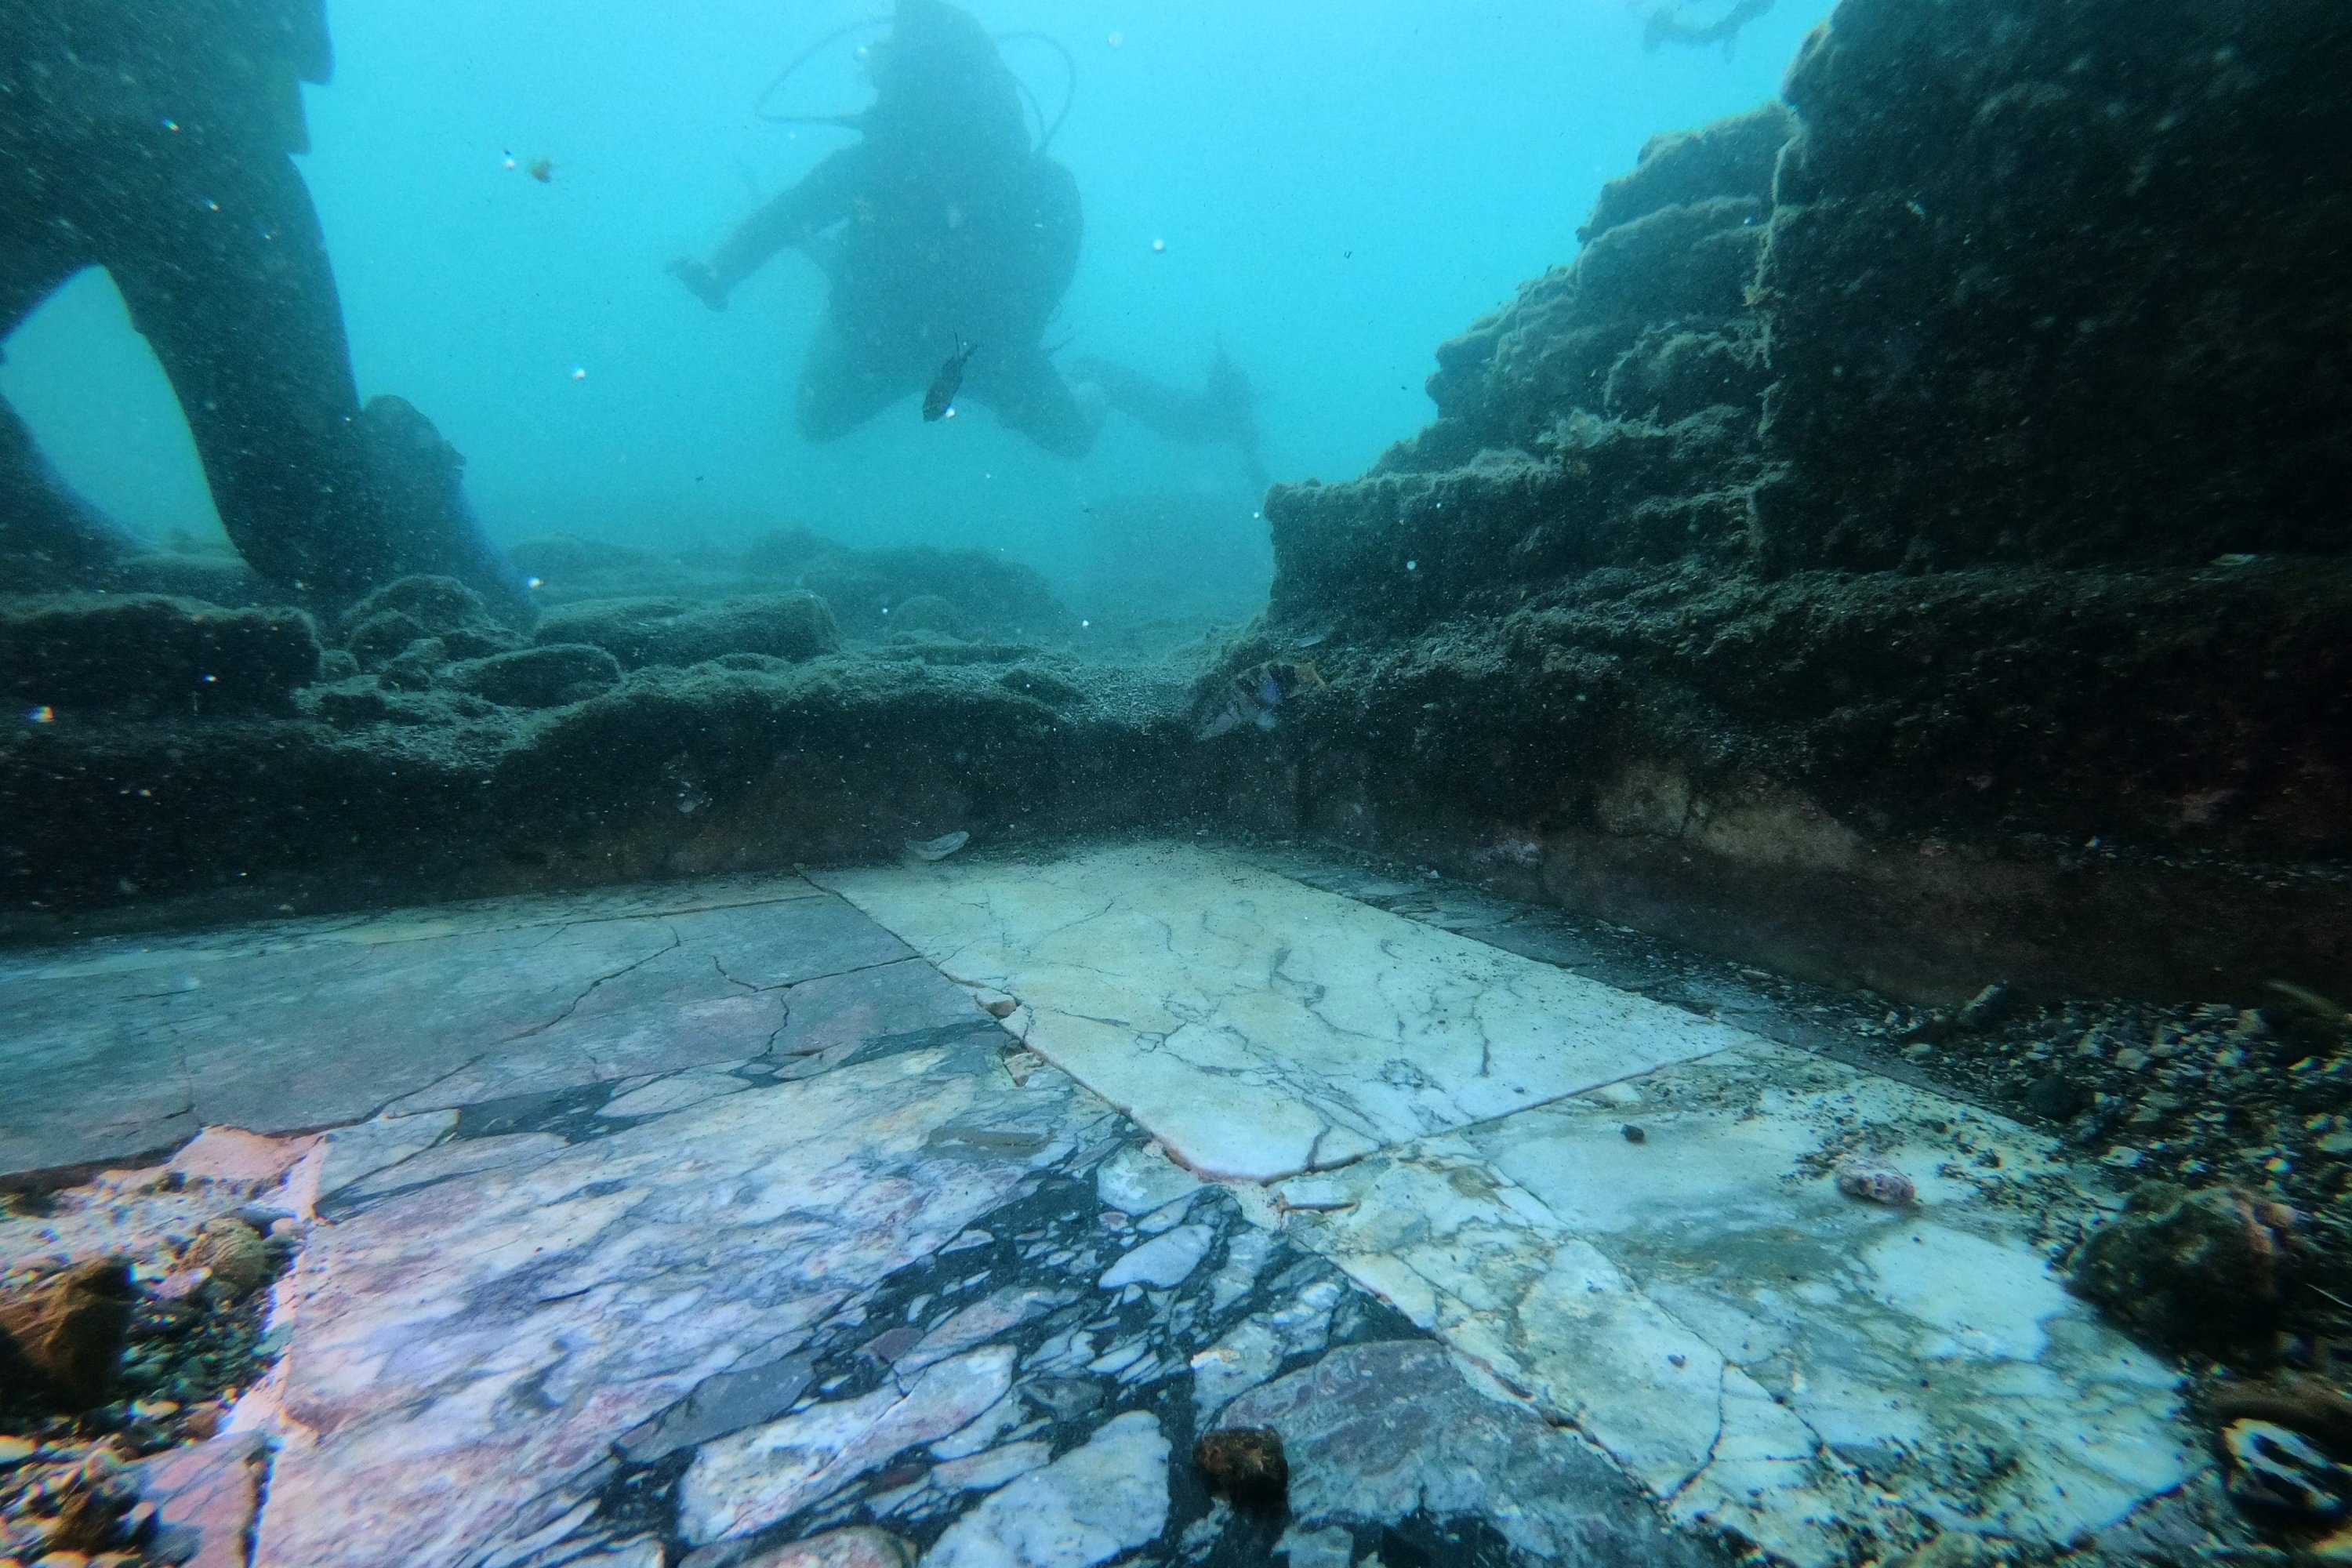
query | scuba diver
(949,239)
(156,143)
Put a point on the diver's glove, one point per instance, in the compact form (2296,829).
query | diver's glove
(700,281)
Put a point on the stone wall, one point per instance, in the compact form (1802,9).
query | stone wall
(1938,479)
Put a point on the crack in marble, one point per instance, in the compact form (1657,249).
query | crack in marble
(676,942)
(1260,1026)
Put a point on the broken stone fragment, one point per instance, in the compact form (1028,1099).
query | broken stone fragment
(938,849)
(62,1338)
(1244,1465)
(232,1154)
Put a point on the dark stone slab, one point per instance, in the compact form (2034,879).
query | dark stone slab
(1379,1433)
(722,1402)
(867,1005)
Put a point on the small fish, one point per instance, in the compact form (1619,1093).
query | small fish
(941,399)
(542,170)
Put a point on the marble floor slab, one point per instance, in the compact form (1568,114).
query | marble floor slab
(696,1229)
(121,1048)
(894,1309)
(1814,1372)
(1260,1026)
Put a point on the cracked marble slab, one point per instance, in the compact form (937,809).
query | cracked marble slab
(1820,1375)
(1260,1026)
(113,1055)
(466,1351)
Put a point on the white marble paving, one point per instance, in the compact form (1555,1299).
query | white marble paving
(1769,1354)
(1262,1027)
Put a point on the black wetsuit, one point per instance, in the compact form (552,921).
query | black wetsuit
(941,223)
(153,138)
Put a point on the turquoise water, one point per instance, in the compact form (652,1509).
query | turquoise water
(1337,187)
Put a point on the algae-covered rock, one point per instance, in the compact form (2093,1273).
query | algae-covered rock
(991,597)
(640,632)
(1732,157)
(2191,1270)
(548,676)
(417,667)
(929,613)
(1028,680)
(2061,284)
(389,622)
(377,640)
(439,605)
(172,657)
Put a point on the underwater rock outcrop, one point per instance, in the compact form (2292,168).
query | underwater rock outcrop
(2205,1270)
(869,593)
(150,654)
(1899,548)
(638,631)
(552,675)
(552,766)
(2070,294)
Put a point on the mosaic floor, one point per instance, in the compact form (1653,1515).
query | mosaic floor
(730,1224)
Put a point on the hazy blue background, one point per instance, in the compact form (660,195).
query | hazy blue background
(1340,184)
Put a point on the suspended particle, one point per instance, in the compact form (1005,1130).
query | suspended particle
(579,372)
(44,714)
(1158,248)
(1116,39)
